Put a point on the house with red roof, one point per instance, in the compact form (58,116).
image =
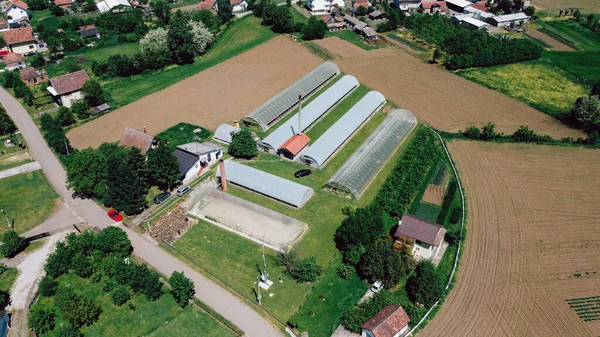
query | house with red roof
(236,5)
(17,11)
(391,321)
(432,7)
(20,40)
(67,88)
(31,77)
(64,4)
(424,236)
(134,138)
(14,61)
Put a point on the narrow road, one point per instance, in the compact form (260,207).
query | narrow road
(29,167)
(226,304)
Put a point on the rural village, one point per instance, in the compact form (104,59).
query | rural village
(275,168)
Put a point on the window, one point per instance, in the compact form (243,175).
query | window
(30,46)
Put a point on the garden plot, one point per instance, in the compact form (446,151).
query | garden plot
(257,223)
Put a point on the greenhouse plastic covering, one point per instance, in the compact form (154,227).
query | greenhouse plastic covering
(356,173)
(267,184)
(223,133)
(336,135)
(310,113)
(277,106)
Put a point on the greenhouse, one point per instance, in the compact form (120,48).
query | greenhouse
(267,184)
(321,150)
(310,113)
(223,133)
(356,173)
(277,107)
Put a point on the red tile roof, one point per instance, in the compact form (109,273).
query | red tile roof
(70,82)
(480,5)
(18,3)
(63,2)
(18,35)
(29,73)
(295,144)
(88,27)
(388,322)
(430,4)
(135,138)
(420,229)
(13,58)
(206,4)
(326,18)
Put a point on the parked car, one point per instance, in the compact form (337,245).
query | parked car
(114,215)
(302,173)
(161,197)
(183,190)
(377,286)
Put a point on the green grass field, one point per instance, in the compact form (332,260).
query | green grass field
(28,199)
(8,278)
(183,133)
(242,35)
(570,30)
(192,322)
(350,37)
(585,65)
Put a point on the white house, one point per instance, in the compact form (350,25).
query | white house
(192,157)
(14,61)
(17,11)
(406,5)
(506,20)
(391,321)
(319,7)
(21,40)
(109,5)
(427,236)
(67,88)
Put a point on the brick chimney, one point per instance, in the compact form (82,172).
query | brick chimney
(223,176)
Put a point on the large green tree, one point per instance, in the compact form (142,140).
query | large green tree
(124,192)
(361,228)
(12,244)
(6,124)
(65,116)
(243,144)
(587,111)
(182,288)
(180,40)
(41,320)
(314,29)
(224,10)
(163,166)
(93,94)
(381,262)
(162,10)
(86,173)
(425,287)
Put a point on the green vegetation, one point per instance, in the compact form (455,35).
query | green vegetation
(7,278)
(407,42)
(243,145)
(183,133)
(428,211)
(588,308)
(585,64)
(570,32)
(351,37)
(29,200)
(192,322)
(319,51)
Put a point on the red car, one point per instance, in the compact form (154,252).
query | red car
(115,215)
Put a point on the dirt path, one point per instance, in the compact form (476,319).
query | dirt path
(556,45)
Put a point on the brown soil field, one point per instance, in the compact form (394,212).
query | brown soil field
(340,47)
(220,94)
(533,220)
(444,100)
(434,194)
(556,45)
(589,6)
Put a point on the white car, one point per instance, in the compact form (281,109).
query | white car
(377,286)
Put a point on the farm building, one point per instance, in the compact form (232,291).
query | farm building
(32,77)
(377,15)
(14,61)
(223,133)
(391,321)
(474,23)
(267,184)
(21,40)
(135,138)
(356,173)
(310,113)
(427,236)
(284,102)
(324,148)
(66,89)
(432,7)
(458,5)
(294,146)
(318,7)
(89,31)
(112,5)
(508,19)
(478,13)
(192,157)
(406,5)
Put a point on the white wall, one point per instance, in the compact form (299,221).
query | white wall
(406,5)
(240,7)
(191,173)
(24,48)
(67,100)
(422,251)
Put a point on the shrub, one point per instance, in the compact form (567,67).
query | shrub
(12,244)
(109,284)
(306,270)
(79,310)
(345,271)
(456,215)
(68,331)
(425,287)
(182,288)
(41,320)
(48,286)
(448,201)
(354,318)
(119,295)
(455,236)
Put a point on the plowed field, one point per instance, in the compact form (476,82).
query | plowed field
(444,100)
(340,47)
(590,6)
(532,242)
(217,95)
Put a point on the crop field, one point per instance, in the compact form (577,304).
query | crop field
(444,100)
(587,6)
(572,32)
(340,47)
(554,43)
(532,242)
(217,95)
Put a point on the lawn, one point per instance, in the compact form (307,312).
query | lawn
(28,199)
(183,133)
(572,31)
(8,278)
(240,36)
(428,211)
(585,64)
(537,83)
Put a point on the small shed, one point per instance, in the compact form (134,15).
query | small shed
(99,109)
(376,15)
(32,77)
(369,33)
(427,236)
(391,321)
(189,164)
(207,152)
(89,31)
(294,146)
(14,61)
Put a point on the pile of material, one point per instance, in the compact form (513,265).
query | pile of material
(172,226)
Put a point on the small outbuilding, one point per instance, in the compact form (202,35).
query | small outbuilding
(207,152)
(64,4)
(17,11)
(391,321)
(294,146)
(376,15)
(32,77)
(112,5)
(223,133)
(406,5)
(193,157)
(89,31)
(99,109)
(426,236)
(67,88)
(458,5)
(142,140)
(474,23)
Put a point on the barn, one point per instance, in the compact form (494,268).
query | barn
(324,148)
(506,20)
(358,171)
(277,107)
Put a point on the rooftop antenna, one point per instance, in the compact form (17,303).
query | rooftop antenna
(299,114)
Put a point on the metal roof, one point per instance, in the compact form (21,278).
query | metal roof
(267,184)
(474,22)
(200,148)
(459,3)
(310,113)
(510,17)
(356,173)
(337,134)
(223,133)
(286,100)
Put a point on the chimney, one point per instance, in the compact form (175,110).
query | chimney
(223,176)
(299,114)
(145,131)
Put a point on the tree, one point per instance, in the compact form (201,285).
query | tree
(306,270)
(119,295)
(164,166)
(381,262)
(38,61)
(361,228)
(577,15)
(596,90)
(80,108)
(67,331)
(89,6)
(41,320)
(137,162)
(472,132)
(79,310)
(124,192)
(224,10)
(437,54)
(354,318)
(488,132)
(48,286)
(180,40)
(288,3)
(182,288)
(162,10)
(314,29)
(113,240)
(243,144)
(361,11)
(201,36)
(36,5)
(56,11)
(394,19)
(65,116)
(81,265)
(529,11)
(6,124)
(281,19)
(12,244)
(155,47)
(86,173)
(92,93)
(2,41)
(425,287)
(587,111)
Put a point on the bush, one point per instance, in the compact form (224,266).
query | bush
(525,135)
(456,215)
(12,244)
(6,123)
(448,201)
(109,285)
(68,331)
(425,287)
(182,288)
(41,320)
(80,108)
(306,270)
(65,116)
(455,236)
(243,145)
(354,318)
(345,271)
(79,310)
(48,286)
(119,295)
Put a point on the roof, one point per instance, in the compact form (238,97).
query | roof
(18,35)
(480,5)
(200,148)
(286,100)
(430,4)
(18,3)
(311,112)
(369,32)
(13,58)
(510,17)
(376,13)
(62,2)
(185,159)
(337,134)
(70,82)
(88,31)
(358,170)
(98,109)
(107,5)
(223,133)
(206,4)
(325,18)
(420,229)
(459,3)
(295,144)
(29,73)
(474,22)
(387,322)
(135,138)
(267,184)
(351,19)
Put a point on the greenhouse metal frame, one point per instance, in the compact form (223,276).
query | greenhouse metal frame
(358,171)
(277,107)
(324,148)
(309,114)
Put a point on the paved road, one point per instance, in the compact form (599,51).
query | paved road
(29,167)
(242,315)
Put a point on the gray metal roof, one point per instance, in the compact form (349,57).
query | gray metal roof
(356,173)
(510,17)
(223,133)
(200,148)
(286,100)
(311,112)
(337,134)
(267,184)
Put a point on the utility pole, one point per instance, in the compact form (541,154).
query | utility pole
(265,275)
(258,297)
(7,220)
(299,115)
(66,147)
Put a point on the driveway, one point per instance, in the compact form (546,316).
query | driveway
(29,167)
(226,304)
